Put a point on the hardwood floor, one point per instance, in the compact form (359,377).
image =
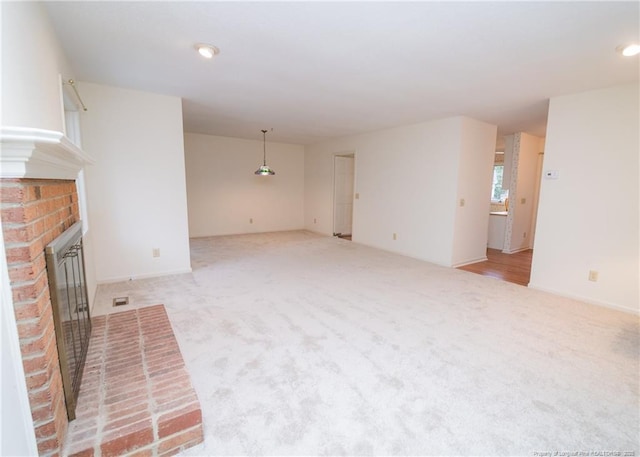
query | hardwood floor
(514,268)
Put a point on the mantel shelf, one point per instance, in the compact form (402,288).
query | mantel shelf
(38,153)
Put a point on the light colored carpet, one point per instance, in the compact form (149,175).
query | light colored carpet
(299,344)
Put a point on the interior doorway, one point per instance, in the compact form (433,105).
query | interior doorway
(343,186)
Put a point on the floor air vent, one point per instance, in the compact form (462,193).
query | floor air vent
(120,301)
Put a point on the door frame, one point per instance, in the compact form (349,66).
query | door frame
(346,154)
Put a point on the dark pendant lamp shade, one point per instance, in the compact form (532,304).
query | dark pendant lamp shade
(264,170)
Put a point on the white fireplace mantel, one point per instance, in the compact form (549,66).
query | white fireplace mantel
(37,153)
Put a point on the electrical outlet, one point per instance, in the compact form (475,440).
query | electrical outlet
(156,252)
(593,275)
(250,220)
(462,202)
(395,236)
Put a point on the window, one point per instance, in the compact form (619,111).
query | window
(498,194)
(72,132)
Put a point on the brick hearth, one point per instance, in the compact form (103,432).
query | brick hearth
(136,396)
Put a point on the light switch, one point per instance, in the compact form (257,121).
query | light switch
(551,174)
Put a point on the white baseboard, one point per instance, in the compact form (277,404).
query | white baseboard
(591,301)
(469,262)
(513,251)
(254,232)
(143,276)
(317,232)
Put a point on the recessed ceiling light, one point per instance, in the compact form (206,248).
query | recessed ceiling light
(629,50)
(206,50)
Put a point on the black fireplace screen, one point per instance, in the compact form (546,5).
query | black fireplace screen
(69,298)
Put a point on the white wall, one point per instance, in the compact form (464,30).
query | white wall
(523,195)
(588,218)
(475,172)
(536,191)
(224,193)
(136,189)
(32,61)
(318,188)
(508,141)
(407,181)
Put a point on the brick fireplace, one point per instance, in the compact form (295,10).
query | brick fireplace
(138,398)
(34,212)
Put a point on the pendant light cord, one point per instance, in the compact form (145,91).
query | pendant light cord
(264,148)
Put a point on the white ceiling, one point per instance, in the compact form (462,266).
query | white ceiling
(315,70)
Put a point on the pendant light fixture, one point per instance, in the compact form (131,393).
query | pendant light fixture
(264,170)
